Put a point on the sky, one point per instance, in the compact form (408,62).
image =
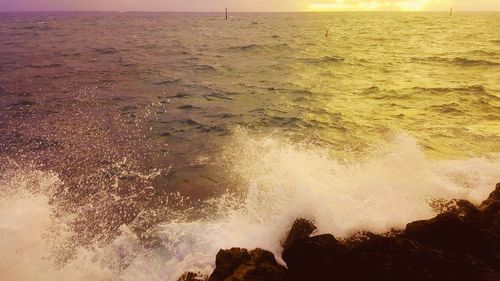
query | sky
(249,5)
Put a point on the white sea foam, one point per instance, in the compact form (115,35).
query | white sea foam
(31,233)
(280,182)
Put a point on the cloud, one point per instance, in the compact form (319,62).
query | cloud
(406,5)
(403,5)
(248,5)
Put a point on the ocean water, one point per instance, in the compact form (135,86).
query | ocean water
(134,146)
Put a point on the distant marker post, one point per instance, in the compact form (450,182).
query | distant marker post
(226,13)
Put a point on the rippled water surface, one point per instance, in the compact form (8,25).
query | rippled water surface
(147,141)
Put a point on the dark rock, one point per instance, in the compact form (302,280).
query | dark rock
(460,244)
(227,261)
(191,276)
(313,258)
(240,264)
(466,209)
(301,228)
(456,234)
(399,258)
(492,211)
(464,230)
(309,257)
(449,231)
(494,196)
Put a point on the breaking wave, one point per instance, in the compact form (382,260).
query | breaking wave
(278,182)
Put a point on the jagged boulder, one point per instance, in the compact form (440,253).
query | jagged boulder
(491,217)
(301,228)
(191,276)
(310,258)
(460,244)
(493,198)
(239,264)
(464,230)
(452,232)
(398,258)
(313,258)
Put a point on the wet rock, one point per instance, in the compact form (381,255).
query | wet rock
(313,258)
(460,244)
(191,276)
(241,264)
(494,197)
(466,230)
(310,258)
(301,228)
(451,232)
(399,258)
(466,209)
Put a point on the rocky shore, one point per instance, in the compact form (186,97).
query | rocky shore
(461,244)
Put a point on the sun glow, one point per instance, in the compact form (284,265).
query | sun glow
(345,5)
(412,5)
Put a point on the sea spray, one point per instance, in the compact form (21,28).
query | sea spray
(33,236)
(280,181)
(277,181)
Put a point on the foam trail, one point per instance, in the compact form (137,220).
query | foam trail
(280,181)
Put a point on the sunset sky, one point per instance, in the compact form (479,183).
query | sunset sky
(248,5)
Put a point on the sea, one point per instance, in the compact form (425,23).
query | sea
(134,146)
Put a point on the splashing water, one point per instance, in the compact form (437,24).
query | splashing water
(280,181)
(122,117)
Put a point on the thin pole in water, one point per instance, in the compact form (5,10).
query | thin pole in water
(451,10)
(326,34)
(226,13)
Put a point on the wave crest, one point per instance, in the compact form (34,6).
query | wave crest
(457,61)
(275,180)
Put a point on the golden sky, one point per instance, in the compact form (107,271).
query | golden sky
(403,5)
(249,5)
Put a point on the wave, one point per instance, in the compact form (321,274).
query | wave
(261,47)
(472,88)
(245,47)
(108,50)
(169,81)
(484,53)
(50,65)
(278,182)
(204,68)
(324,59)
(450,108)
(188,107)
(479,90)
(457,61)
(383,94)
(473,62)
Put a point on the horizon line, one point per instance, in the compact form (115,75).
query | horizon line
(222,11)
